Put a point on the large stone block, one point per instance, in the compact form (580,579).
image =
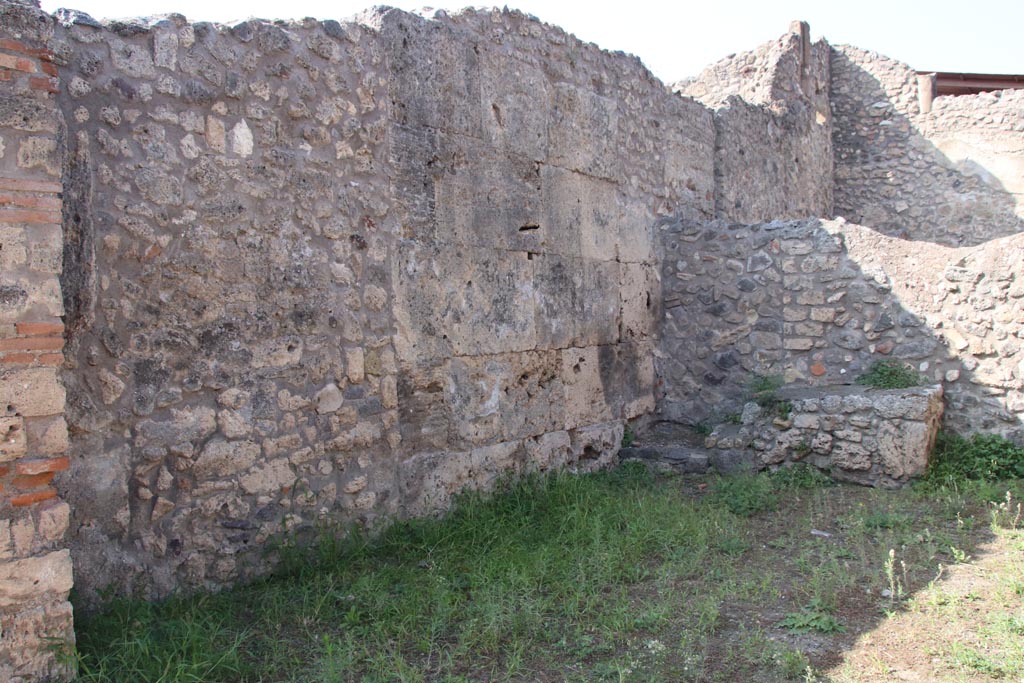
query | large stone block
(584,389)
(489,199)
(35,580)
(462,302)
(505,397)
(640,291)
(516,105)
(31,392)
(583,131)
(577,302)
(435,74)
(36,644)
(627,375)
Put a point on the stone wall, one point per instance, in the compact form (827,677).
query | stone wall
(773,135)
(334,273)
(859,434)
(818,302)
(950,171)
(35,566)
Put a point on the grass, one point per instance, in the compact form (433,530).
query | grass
(616,576)
(890,374)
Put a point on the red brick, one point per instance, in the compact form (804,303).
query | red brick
(18,358)
(31,467)
(22,185)
(49,69)
(4,469)
(51,359)
(17,63)
(29,216)
(34,497)
(818,370)
(32,481)
(30,201)
(39,329)
(6,75)
(44,83)
(32,344)
(17,46)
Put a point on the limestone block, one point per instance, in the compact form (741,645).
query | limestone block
(31,392)
(428,481)
(635,227)
(505,397)
(583,132)
(640,291)
(38,640)
(903,448)
(35,579)
(627,375)
(911,404)
(435,75)
(584,389)
(221,458)
(850,456)
(516,104)
(54,518)
(424,415)
(548,451)
(577,301)
(489,199)
(463,302)
(596,446)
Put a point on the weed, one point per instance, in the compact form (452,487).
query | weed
(702,429)
(800,476)
(628,437)
(897,581)
(1006,515)
(732,418)
(764,392)
(812,618)
(745,494)
(890,374)
(983,456)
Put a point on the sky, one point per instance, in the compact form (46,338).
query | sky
(677,38)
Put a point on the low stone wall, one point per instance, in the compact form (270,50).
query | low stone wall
(868,436)
(819,302)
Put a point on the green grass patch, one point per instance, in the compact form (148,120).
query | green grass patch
(619,576)
(987,457)
(890,374)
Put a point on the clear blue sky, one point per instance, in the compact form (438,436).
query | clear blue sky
(677,38)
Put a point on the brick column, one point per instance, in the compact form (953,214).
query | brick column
(35,566)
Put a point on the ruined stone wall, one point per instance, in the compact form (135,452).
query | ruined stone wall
(773,137)
(949,171)
(232,372)
(529,168)
(326,272)
(818,302)
(35,566)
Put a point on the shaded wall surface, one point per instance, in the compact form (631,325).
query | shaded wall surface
(818,302)
(949,171)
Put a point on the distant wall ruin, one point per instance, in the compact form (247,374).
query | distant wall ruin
(323,272)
